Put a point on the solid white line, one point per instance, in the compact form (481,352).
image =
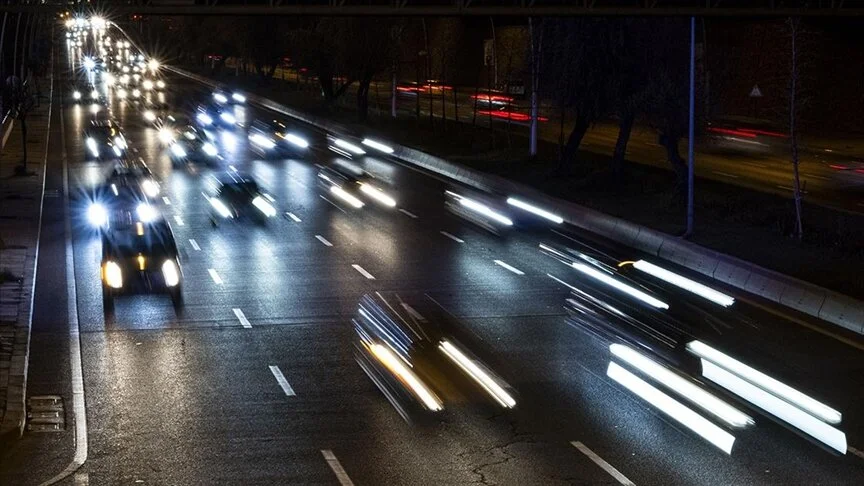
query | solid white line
(603,464)
(194,244)
(78,403)
(179,220)
(166,200)
(448,235)
(508,267)
(332,203)
(337,468)
(725,174)
(81,479)
(292,216)
(215,276)
(408,213)
(242,318)
(323,240)
(363,272)
(283,383)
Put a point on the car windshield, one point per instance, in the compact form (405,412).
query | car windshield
(102,133)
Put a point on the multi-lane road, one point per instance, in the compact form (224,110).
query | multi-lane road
(253,380)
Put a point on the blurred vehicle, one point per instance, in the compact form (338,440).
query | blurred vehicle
(104,139)
(353,186)
(132,173)
(140,257)
(169,125)
(746,136)
(214,115)
(235,196)
(223,97)
(483,210)
(274,138)
(117,202)
(85,92)
(418,363)
(193,145)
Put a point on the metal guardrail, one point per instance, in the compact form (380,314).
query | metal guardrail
(790,292)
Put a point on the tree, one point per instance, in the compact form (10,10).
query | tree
(577,68)
(22,102)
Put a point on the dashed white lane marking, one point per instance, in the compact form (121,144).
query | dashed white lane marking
(408,213)
(332,203)
(725,174)
(179,220)
(323,240)
(81,479)
(242,318)
(166,200)
(292,216)
(753,164)
(215,276)
(194,244)
(283,383)
(855,451)
(448,235)
(508,267)
(603,464)
(813,176)
(363,271)
(337,468)
(791,189)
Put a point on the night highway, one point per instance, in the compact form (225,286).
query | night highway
(275,362)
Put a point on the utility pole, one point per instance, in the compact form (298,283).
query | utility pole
(536,46)
(691,131)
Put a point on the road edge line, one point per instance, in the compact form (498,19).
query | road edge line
(76,368)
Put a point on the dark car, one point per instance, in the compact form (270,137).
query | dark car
(118,202)
(746,136)
(140,257)
(191,144)
(135,173)
(104,140)
(419,359)
(352,186)
(274,138)
(213,115)
(235,196)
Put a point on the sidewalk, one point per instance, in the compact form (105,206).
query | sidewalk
(20,213)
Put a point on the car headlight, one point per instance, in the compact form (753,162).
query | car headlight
(91,145)
(209,149)
(220,207)
(378,195)
(147,84)
(171,273)
(219,97)
(94,94)
(121,93)
(146,213)
(177,150)
(239,98)
(97,215)
(112,274)
(228,118)
(204,118)
(120,142)
(298,141)
(160,84)
(76,95)
(264,206)
(150,187)
(262,141)
(166,135)
(136,93)
(149,116)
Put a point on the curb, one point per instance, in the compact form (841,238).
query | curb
(816,301)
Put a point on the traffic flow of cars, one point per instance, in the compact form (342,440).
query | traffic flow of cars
(422,362)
